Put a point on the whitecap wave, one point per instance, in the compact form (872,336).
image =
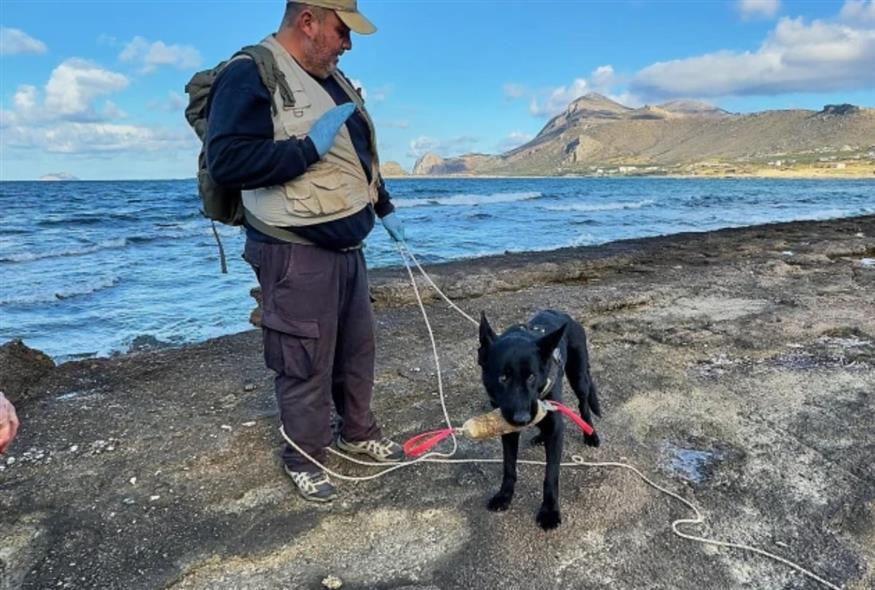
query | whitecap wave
(468,199)
(593,207)
(87,288)
(80,251)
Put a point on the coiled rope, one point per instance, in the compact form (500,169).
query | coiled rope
(576,460)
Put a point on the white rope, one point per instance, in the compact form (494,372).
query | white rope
(576,460)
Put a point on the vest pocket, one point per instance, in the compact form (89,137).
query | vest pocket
(320,191)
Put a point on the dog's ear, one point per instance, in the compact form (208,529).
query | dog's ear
(487,336)
(547,344)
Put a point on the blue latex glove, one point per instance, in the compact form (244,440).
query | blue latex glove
(324,130)
(394,226)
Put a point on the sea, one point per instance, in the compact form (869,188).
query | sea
(101,268)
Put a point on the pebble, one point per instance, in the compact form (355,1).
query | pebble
(249,424)
(225,427)
(332,581)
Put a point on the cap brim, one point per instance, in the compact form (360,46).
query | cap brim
(356,22)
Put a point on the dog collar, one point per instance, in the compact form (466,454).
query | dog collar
(554,374)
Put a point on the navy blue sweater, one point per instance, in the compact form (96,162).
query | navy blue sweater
(241,151)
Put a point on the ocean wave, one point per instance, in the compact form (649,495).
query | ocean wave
(31,256)
(591,208)
(469,199)
(95,285)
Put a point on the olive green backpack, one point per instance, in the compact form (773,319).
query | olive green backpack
(219,202)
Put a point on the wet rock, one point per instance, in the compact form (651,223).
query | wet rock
(147,342)
(20,368)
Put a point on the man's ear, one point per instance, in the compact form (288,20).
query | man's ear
(487,336)
(547,344)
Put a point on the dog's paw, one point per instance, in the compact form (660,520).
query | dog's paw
(499,502)
(592,440)
(537,440)
(548,518)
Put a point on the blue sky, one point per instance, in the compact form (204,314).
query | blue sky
(95,88)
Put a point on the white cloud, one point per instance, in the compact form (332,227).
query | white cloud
(16,41)
(174,103)
(152,55)
(442,147)
(558,99)
(67,120)
(858,11)
(758,8)
(796,57)
(74,85)
(603,78)
(514,139)
(96,138)
(513,90)
(381,94)
(549,102)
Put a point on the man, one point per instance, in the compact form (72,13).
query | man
(8,423)
(311,191)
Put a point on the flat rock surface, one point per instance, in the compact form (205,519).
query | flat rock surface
(736,368)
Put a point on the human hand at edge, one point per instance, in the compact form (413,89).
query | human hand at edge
(8,423)
(393,225)
(325,129)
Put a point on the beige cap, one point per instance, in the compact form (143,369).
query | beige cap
(346,11)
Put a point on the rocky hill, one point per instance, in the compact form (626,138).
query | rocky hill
(596,135)
(390,169)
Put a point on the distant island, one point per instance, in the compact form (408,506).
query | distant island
(596,136)
(58,176)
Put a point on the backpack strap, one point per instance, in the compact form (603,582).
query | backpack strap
(269,72)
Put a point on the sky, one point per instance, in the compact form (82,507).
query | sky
(95,89)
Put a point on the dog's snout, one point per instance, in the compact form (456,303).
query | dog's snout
(521,417)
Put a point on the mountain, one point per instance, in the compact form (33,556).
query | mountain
(390,169)
(597,135)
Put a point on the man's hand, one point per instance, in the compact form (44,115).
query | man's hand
(324,130)
(394,226)
(8,423)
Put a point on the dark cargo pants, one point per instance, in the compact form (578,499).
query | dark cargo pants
(318,329)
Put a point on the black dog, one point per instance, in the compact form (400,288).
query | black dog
(524,365)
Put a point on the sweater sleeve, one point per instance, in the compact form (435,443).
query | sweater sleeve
(384,205)
(240,145)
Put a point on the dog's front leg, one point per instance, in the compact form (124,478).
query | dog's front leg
(548,515)
(510,444)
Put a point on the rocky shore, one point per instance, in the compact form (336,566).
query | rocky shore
(736,367)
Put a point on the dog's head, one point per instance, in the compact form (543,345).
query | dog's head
(515,368)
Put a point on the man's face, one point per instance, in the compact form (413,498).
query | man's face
(331,39)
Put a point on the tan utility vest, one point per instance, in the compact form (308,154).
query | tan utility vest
(334,187)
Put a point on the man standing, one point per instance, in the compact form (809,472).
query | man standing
(311,186)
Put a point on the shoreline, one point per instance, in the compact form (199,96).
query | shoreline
(789,176)
(386,292)
(736,367)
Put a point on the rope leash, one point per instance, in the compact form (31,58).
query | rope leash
(422,442)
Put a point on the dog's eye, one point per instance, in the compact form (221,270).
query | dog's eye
(502,379)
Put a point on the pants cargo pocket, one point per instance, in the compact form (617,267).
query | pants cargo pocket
(290,346)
